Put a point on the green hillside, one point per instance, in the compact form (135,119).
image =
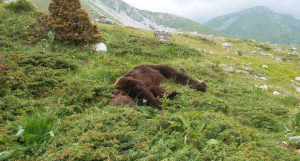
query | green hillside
(235,120)
(181,23)
(261,24)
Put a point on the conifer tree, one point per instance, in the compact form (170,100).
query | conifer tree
(69,22)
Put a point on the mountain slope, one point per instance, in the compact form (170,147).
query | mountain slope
(234,120)
(122,13)
(259,23)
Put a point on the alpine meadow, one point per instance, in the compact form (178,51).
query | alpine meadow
(54,94)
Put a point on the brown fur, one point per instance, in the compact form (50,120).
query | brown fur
(142,83)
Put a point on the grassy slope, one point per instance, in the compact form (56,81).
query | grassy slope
(75,82)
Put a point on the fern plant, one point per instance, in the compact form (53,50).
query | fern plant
(192,131)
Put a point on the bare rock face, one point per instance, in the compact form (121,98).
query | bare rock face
(100,47)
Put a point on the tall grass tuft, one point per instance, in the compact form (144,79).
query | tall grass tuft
(33,131)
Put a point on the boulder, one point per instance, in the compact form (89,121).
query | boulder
(265,87)
(298,89)
(100,47)
(294,138)
(276,93)
(211,52)
(242,71)
(278,59)
(247,68)
(263,78)
(227,45)
(297,78)
(228,68)
(266,67)
(295,53)
(295,49)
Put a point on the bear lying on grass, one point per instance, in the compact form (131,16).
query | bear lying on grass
(141,84)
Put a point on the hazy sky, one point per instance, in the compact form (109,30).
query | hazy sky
(204,10)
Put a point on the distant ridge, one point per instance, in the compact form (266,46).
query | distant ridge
(259,23)
(120,12)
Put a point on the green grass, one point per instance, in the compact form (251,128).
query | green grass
(234,120)
(33,132)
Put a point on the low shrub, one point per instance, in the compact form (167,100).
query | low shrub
(239,53)
(70,23)
(36,74)
(21,6)
(264,47)
(37,31)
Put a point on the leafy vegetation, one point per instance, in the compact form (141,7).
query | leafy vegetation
(34,132)
(234,120)
(20,6)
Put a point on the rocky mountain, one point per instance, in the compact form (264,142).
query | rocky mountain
(120,12)
(259,23)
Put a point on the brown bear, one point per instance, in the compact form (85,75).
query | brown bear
(141,84)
